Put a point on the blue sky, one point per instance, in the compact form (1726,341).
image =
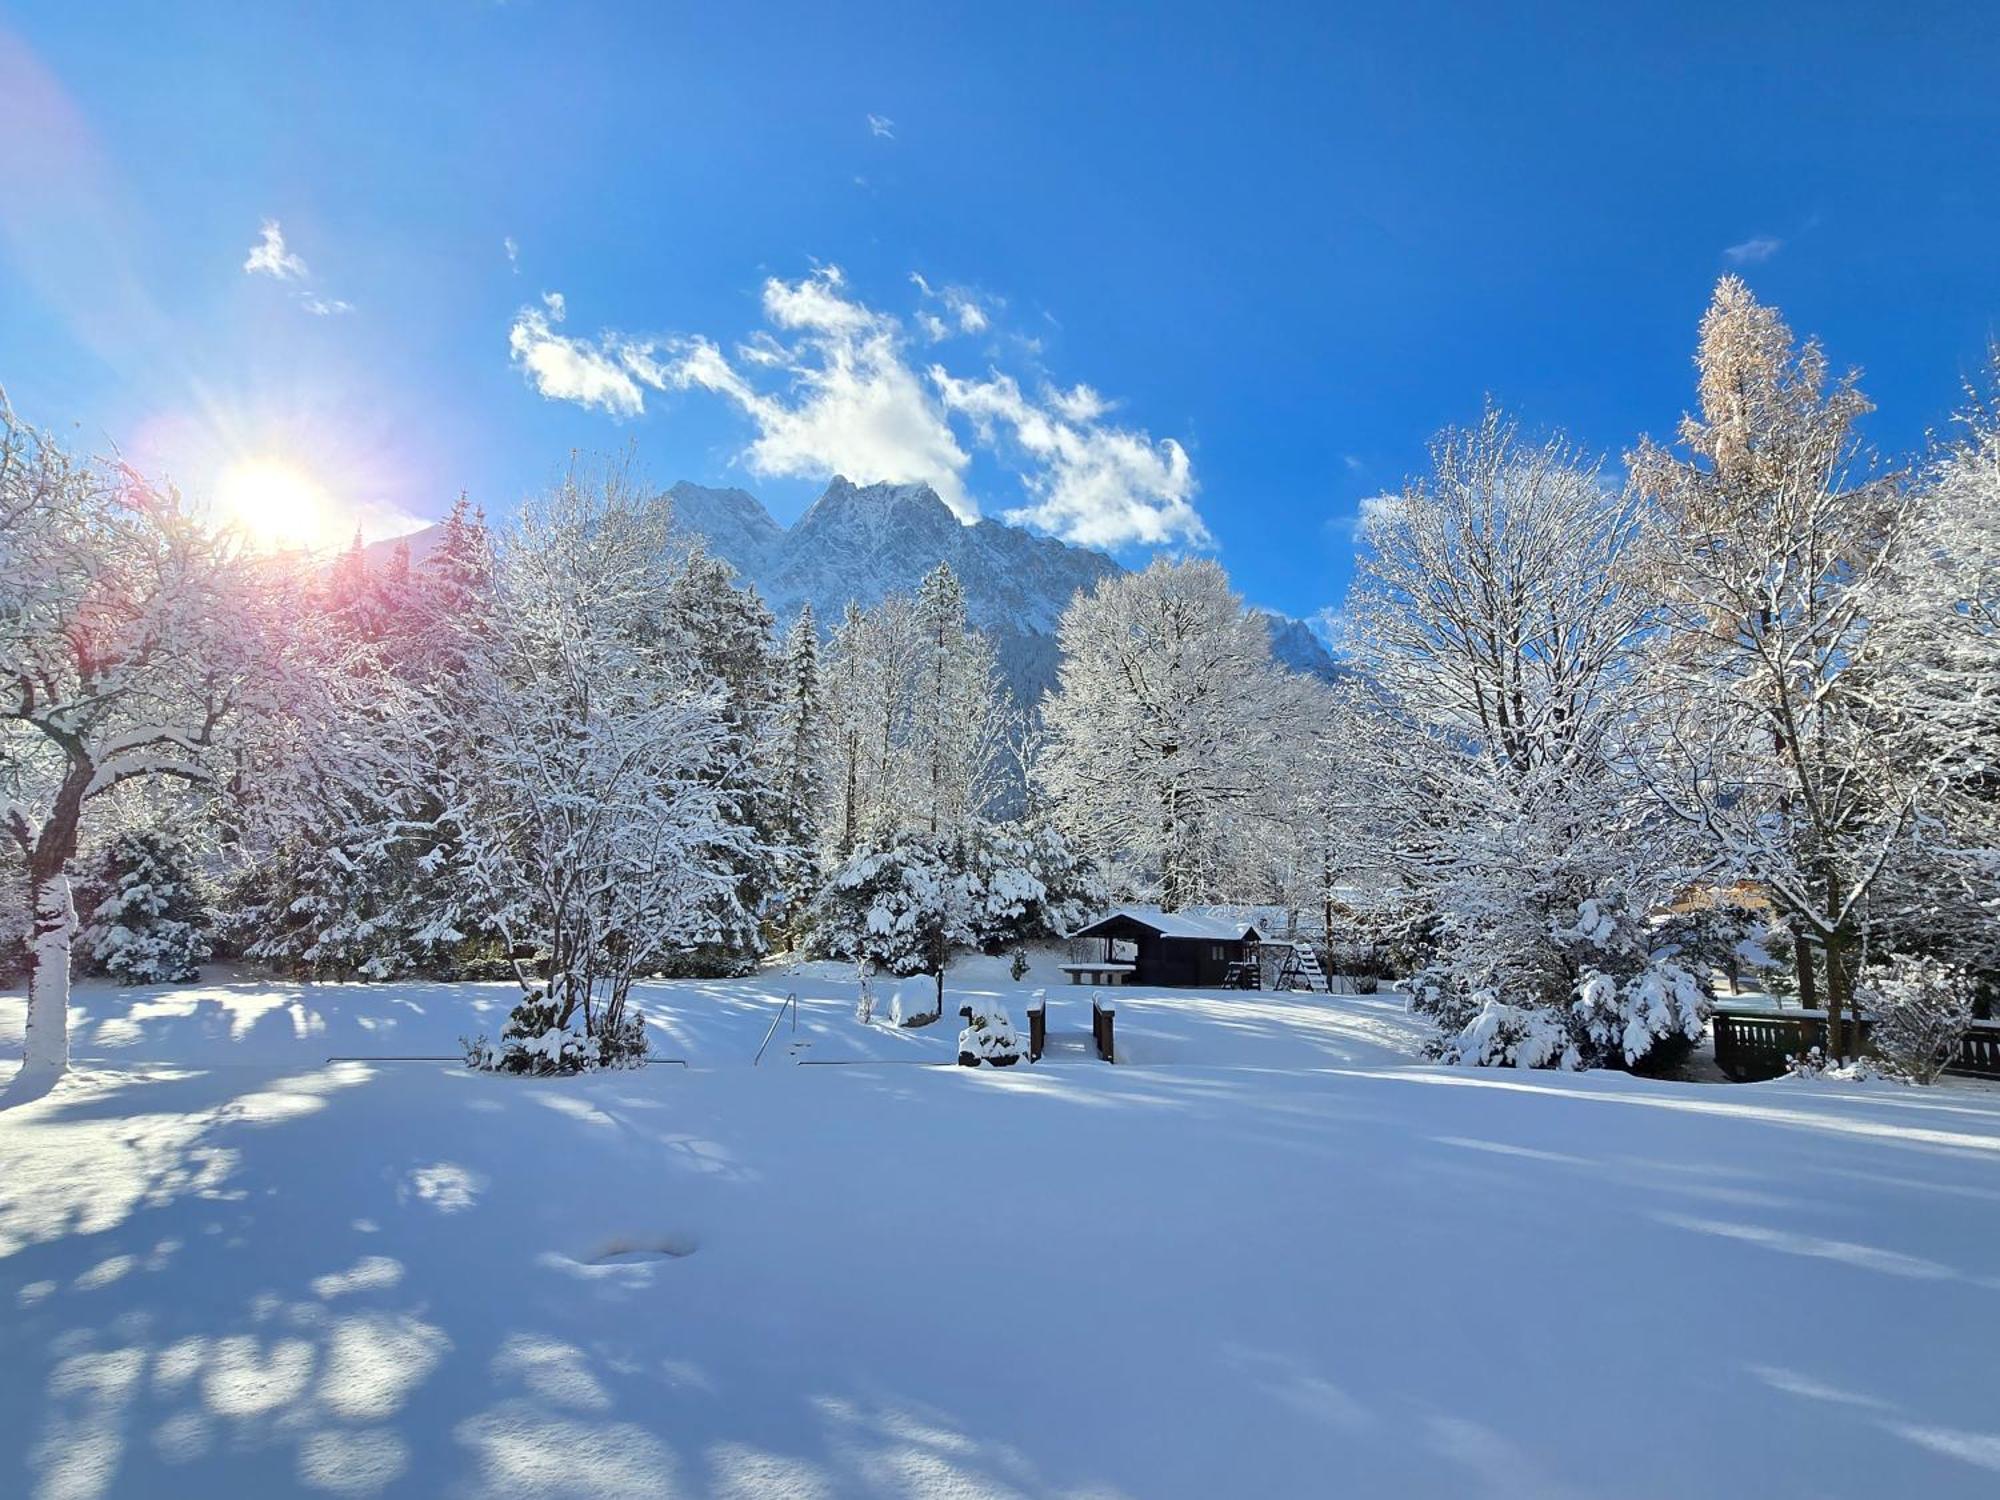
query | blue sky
(1206,276)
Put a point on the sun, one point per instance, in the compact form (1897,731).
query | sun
(276,504)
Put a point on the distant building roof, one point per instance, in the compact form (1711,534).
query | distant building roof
(1215,924)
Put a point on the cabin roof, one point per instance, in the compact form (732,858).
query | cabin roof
(1197,922)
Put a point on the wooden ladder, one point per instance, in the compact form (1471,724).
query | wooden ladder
(1305,971)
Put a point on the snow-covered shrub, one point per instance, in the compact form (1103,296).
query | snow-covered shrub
(1812,1064)
(143,917)
(1921,1009)
(991,1037)
(530,1042)
(1446,1000)
(1500,1035)
(1631,1004)
(1660,1009)
(533,1041)
(1018,969)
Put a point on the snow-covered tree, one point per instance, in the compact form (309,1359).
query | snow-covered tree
(1935,631)
(598,835)
(1495,617)
(144,913)
(1769,542)
(800,775)
(901,907)
(128,633)
(1025,881)
(1163,722)
(959,707)
(347,864)
(916,720)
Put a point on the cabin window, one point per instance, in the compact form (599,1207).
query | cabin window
(1219,953)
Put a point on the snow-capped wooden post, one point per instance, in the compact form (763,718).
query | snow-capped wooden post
(1038,1024)
(1102,1017)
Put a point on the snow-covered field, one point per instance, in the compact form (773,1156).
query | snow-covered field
(1267,1254)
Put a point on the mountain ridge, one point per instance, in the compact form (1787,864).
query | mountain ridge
(860,542)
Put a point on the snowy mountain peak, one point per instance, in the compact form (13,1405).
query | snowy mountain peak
(874,508)
(737,525)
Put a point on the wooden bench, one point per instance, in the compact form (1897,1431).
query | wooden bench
(1098,973)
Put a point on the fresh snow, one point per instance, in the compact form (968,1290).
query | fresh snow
(1268,1254)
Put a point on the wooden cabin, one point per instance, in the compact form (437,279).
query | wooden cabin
(1144,945)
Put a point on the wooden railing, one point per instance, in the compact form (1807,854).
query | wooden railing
(1753,1044)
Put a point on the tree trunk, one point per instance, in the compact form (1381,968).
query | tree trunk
(53,917)
(1840,1001)
(1802,965)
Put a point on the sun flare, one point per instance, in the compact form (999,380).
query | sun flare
(277,504)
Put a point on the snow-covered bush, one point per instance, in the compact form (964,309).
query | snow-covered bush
(1661,1008)
(1812,1065)
(1921,1010)
(534,1041)
(991,1037)
(1631,1003)
(143,916)
(1499,1035)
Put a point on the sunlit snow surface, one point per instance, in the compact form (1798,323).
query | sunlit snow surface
(1267,1254)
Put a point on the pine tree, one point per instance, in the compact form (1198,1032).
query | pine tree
(801,771)
(144,918)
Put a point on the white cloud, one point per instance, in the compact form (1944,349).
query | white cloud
(830,388)
(1755,250)
(1376,511)
(269,257)
(1331,625)
(1093,484)
(883,126)
(1354,464)
(567,369)
(513,254)
(961,306)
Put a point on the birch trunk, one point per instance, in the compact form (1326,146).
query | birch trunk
(54,918)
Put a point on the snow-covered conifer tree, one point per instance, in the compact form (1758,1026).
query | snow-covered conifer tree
(144,915)
(902,907)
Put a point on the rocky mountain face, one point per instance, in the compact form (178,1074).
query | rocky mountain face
(863,541)
(860,542)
